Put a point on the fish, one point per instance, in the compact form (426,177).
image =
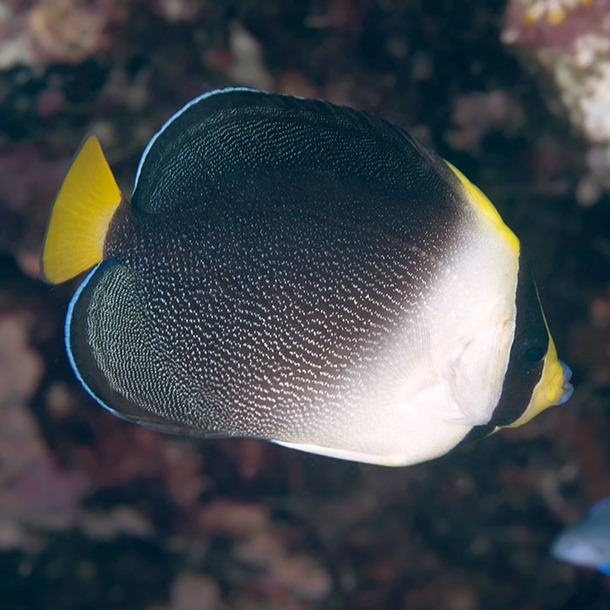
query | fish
(587,543)
(301,272)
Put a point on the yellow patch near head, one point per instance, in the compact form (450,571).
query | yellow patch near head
(81,215)
(548,390)
(486,208)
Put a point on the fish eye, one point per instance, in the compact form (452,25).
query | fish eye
(533,354)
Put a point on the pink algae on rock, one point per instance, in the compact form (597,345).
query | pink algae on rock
(570,41)
(40,34)
(35,491)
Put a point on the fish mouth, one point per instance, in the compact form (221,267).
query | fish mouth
(567,387)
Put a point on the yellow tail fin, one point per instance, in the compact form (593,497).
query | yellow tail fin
(81,215)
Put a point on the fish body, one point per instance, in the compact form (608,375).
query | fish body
(296,271)
(587,543)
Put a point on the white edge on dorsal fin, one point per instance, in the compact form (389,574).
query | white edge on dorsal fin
(176,115)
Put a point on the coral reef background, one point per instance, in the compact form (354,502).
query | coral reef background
(96,513)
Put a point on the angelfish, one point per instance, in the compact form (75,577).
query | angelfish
(292,270)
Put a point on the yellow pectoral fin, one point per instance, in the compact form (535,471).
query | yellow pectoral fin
(81,215)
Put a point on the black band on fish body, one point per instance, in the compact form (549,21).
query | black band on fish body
(526,360)
(529,348)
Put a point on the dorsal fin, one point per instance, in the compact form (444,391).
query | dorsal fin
(242,136)
(83,209)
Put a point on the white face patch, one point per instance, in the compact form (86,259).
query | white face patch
(440,375)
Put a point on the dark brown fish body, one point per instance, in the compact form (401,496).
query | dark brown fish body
(283,271)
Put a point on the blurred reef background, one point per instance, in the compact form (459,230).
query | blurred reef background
(96,513)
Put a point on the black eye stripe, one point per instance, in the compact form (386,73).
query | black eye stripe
(533,353)
(526,360)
